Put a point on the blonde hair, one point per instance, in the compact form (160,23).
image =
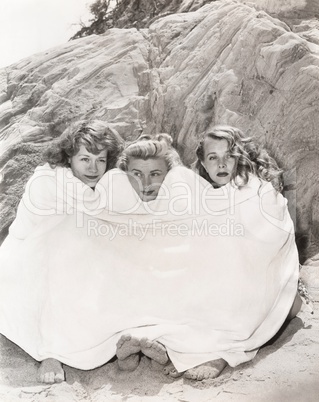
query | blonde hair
(250,158)
(146,147)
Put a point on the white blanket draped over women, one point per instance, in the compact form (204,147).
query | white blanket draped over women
(209,273)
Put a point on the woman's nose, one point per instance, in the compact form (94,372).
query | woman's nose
(146,182)
(93,166)
(222,164)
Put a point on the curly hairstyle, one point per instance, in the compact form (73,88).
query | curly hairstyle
(95,135)
(250,158)
(146,147)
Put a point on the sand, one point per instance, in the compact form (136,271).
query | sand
(286,369)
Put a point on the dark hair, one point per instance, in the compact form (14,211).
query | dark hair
(146,147)
(250,158)
(95,135)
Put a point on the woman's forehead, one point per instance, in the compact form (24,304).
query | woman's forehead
(84,151)
(215,145)
(148,164)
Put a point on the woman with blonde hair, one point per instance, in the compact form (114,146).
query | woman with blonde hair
(147,161)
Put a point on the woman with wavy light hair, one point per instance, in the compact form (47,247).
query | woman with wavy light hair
(226,157)
(147,161)
(224,154)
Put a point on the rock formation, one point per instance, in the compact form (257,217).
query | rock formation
(133,13)
(225,62)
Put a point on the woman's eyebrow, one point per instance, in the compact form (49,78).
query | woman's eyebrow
(156,170)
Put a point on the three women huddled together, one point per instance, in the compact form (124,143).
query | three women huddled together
(193,269)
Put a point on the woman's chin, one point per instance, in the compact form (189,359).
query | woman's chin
(221,183)
(148,197)
(91,184)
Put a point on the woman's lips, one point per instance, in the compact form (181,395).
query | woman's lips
(91,177)
(222,174)
(149,192)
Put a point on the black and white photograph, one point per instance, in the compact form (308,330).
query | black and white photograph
(159,200)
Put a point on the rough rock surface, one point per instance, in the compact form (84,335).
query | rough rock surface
(226,62)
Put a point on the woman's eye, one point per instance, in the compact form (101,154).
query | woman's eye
(85,159)
(212,158)
(102,160)
(136,174)
(155,174)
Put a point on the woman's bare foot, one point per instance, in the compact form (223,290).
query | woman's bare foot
(127,346)
(51,371)
(207,370)
(154,350)
(130,363)
(171,371)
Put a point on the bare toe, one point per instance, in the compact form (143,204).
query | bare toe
(124,338)
(145,343)
(51,371)
(154,350)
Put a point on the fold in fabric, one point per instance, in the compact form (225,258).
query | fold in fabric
(209,273)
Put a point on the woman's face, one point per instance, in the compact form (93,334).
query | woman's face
(146,176)
(218,162)
(88,167)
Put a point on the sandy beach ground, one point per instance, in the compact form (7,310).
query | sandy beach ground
(286,369)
